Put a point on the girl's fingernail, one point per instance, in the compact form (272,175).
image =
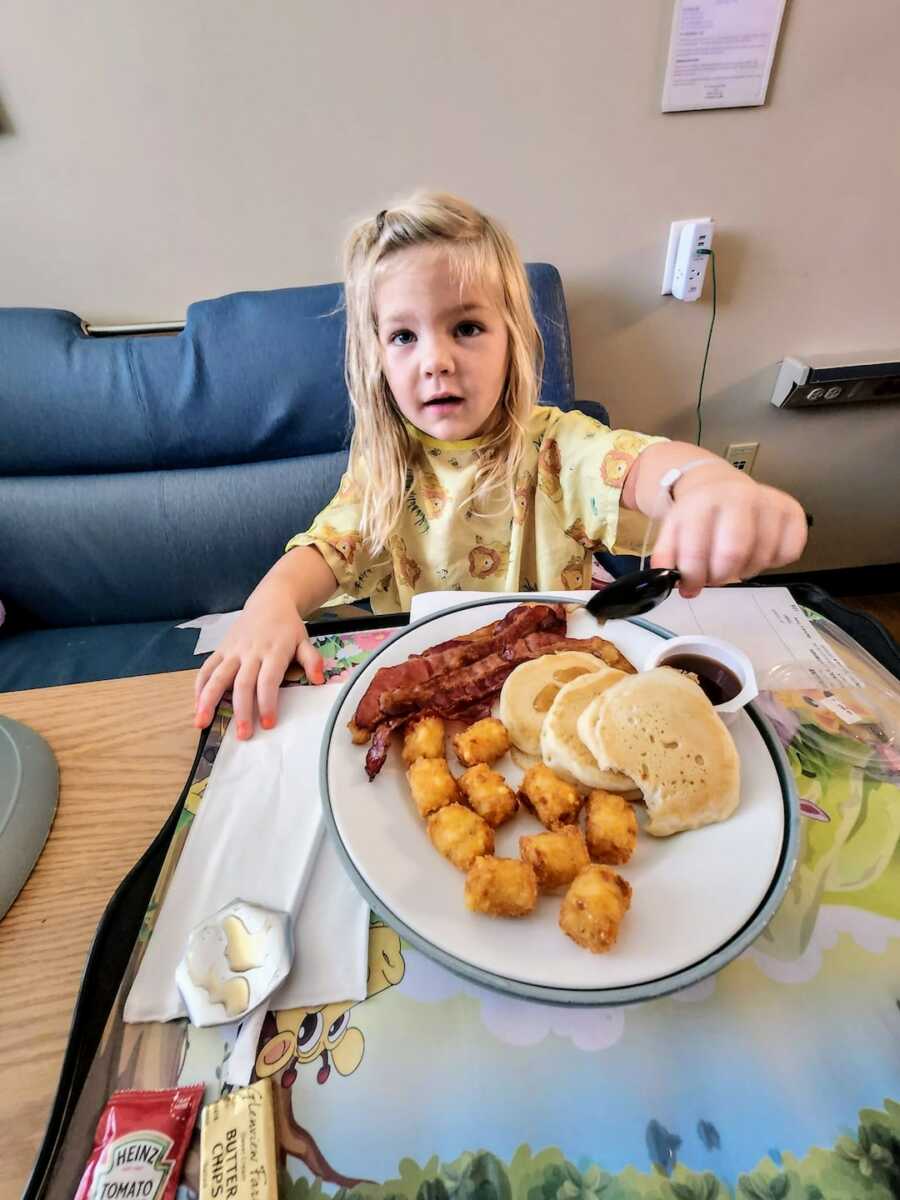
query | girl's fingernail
(243,729)
(201,720)
(267,722)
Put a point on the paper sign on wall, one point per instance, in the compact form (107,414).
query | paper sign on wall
(720,53)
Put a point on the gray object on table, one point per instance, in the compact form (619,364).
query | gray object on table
(29,790)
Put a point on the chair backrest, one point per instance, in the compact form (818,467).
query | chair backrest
(149,477)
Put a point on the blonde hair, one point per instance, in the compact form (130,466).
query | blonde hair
(478,250)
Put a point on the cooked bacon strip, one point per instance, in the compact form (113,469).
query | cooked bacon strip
(368,711)
(472,712)
(480,680)
(380,743)
(451,656)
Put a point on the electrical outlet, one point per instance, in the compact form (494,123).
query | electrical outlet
(742,456)
(685,267)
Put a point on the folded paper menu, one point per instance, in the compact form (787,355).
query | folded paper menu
(259,836)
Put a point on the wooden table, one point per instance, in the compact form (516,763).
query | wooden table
(99,832)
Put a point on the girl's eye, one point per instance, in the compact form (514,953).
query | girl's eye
(469,329)
(403,337)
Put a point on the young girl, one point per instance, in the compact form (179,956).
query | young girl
(458,479)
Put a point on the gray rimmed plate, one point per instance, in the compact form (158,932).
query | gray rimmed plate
(699,898)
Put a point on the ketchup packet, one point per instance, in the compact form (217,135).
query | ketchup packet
(140,1144)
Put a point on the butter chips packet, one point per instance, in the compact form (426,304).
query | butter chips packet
(237,1146)
(140,1144)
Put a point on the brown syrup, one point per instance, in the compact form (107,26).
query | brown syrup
(719,684)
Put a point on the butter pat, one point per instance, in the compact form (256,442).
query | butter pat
(237,1146)
(244,950)
(233,961)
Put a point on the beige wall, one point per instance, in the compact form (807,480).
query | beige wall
(154,154)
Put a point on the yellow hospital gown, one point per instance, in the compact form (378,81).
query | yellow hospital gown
(566,506)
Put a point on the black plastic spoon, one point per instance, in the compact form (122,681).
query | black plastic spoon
(633,594)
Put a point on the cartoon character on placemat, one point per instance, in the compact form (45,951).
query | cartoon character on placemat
(297,1037)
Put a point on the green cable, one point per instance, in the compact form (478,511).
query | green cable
(712,255)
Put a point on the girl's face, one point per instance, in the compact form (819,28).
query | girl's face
(443,348)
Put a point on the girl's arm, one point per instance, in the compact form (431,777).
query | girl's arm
(722,526)
(267,636)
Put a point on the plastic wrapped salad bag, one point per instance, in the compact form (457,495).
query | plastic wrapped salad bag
(841,733)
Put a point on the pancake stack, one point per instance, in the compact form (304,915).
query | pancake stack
(655,732)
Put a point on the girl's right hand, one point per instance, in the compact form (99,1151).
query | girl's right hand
(252,660)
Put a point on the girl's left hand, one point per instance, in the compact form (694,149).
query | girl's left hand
(725,527)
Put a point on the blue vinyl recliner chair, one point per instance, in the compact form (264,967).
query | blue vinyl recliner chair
(146,479)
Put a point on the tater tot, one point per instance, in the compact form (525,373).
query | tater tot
(593,908)
(431,784)
(488,794)
(483,742)
(424,739)
(501,887)
(556,857)
(611,828)
(460,835)
(554,802)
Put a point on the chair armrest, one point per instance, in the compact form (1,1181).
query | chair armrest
(618,564)
(592,409)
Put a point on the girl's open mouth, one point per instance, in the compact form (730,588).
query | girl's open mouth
(444,402)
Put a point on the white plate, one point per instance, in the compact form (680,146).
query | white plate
(698,897)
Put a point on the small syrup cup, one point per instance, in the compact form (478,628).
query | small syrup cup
(719,651)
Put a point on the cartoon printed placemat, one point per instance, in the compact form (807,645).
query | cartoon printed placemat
(778,1078)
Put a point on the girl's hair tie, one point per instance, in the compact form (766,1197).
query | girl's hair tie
(379,221)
